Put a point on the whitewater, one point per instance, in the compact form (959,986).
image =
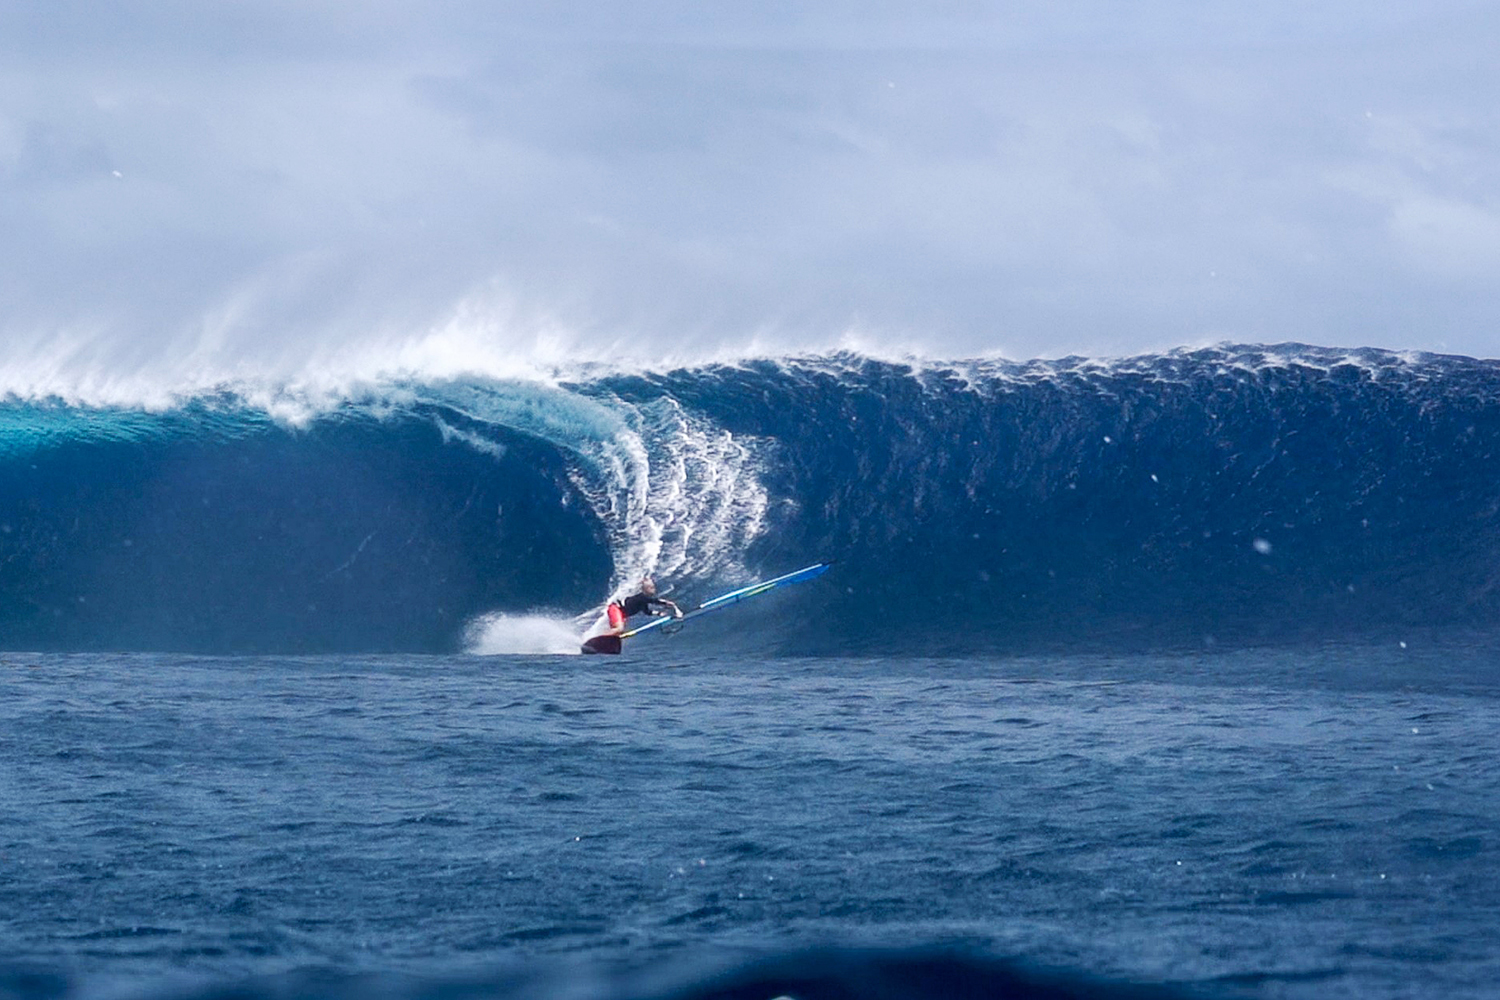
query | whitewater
(1162,675)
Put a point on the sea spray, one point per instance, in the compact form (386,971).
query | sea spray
(497,634)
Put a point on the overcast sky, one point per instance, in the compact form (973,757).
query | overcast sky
(249,187)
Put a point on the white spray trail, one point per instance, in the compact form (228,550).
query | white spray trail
(538,634)
(679,496)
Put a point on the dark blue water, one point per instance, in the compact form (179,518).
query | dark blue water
(1175,672)
(1312,824)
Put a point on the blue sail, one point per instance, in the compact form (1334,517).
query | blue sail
(735,596)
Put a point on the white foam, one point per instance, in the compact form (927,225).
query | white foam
(536,634)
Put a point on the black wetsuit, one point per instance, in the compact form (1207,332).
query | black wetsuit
(638,604)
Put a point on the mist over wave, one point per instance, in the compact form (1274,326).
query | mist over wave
(1218,495)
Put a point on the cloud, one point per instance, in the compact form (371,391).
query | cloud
(263,187)
(1450,239)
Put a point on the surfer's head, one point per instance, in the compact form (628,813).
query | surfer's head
(648,587)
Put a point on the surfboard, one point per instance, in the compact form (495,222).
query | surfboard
(603,643)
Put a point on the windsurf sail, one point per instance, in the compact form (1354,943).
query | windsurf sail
(734,597)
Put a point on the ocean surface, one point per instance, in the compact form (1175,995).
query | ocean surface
(1162,676)
(1309,824)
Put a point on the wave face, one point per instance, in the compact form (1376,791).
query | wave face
(1232,494)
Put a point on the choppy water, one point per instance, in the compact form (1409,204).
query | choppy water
(1322,822)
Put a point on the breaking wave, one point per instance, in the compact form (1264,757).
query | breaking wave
(1225,494)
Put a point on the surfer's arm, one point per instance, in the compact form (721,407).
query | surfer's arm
(673,609)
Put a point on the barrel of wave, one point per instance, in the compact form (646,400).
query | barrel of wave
(535,635)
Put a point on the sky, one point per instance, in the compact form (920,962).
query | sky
(237,189)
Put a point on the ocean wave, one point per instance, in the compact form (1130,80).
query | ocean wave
(1223,494)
